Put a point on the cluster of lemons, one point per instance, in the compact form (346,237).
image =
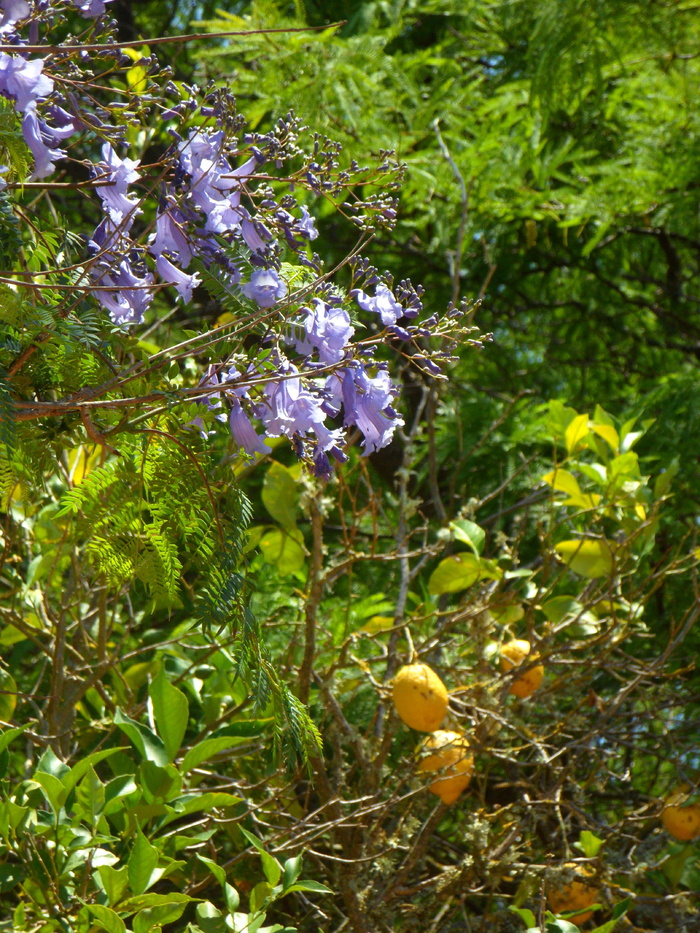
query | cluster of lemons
(421,700)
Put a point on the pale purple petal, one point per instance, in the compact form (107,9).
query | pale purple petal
(307,225)
(22,80)
(367,402)
(327,329)
(265,287)
(183,282)
(91,8)
(384,304)
(44,157)
(170,238)
(244,433)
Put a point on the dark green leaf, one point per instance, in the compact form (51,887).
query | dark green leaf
(171,711)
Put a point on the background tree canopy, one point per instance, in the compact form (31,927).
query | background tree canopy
(201,627)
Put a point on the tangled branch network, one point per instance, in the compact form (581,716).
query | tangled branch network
(218,209)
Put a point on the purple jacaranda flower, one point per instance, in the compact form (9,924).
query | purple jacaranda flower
(291,409)
(62,125)
(243,432)
(327,329)
(367,403)
(3,170)
(265,287)
(212,400)
(214,184)
(13,10)
(255,234)
(307,225)
(22,80)
(169,237)
(120,173)
(44,156)
(183,282)
(131,295)
(91,8)
(384,304)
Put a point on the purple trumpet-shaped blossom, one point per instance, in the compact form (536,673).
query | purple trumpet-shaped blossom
(243,432)
(183,282)
(38,136)
(327,329)
(22,80)
(169,237)
(120,173)
(265,287)
(255,233)
(13,10)
(214,185)
(211,400)
(291,410)
(384,304)
(131,295)
(307,225)
(367,404)
(91,8)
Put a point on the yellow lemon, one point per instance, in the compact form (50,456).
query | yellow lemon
(681,822)
(420,697)
(448,753)
(512,655)
(576,895)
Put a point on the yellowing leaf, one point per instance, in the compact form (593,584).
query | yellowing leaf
(136,79)
(563,481)
(587,557)
(576,432)
(82,460)
(378,624)
(609,435)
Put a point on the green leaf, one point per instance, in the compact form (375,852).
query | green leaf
(90,796)
(80,769)
(559,925)
(114,881)
(142,863)
(217,871)
(259,896)
(314,886)
(589,844)
(171,711)
(210,919)
(279,495)
(54,791)
(292,868)
(284,549)
(107,918)
(469,533)
(271,867)
(8,695)
(459,572)
(525,915)
(159,784)
(49,763)
(145,920)
(582,622)
(206,749)
(9,735)
(588,557)
(145,741)
(231,897)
